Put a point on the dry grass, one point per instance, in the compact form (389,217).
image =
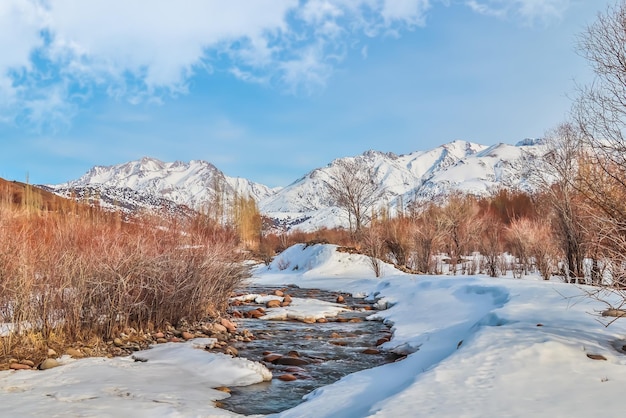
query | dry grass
(78,274)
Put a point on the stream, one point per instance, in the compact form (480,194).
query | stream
(330,350)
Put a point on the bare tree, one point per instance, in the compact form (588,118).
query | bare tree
(556,174)
(351,185)
(426,232)
(458,227)
(600,112)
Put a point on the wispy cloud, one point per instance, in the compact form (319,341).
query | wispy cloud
(57,52)
(530,11)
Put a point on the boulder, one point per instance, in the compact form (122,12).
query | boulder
(48,363)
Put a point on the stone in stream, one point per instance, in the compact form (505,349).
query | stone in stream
(382,341)
(287,299)
(291,361)
(279,293)
(223,389)
(19,366)
(187,335)
(371,351)
(28,363)
(288,377)
(340,299)
(255,313)
(274,303)
(271,357)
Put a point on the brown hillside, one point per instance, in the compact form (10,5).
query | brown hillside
(18,193)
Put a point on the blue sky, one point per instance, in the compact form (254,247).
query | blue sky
(271,89)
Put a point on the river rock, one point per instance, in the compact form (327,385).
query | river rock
(271,357)
(29,363)
(223,389)
(118,342)
(291,361)
(340,299)
(218,328)
(287,299)
(279,293)
(596,356)
(231,327)
(19,366)
(158,335)
(74,353)
(274,303)
(382,341)
(232,351)
(288,377)
(48,363)
(322,321)
(371,351)
(187,335)
(161,340)
(255,313)
(52,353)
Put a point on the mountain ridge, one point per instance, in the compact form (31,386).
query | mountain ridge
(304,204)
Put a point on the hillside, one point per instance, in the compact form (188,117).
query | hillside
(17,193)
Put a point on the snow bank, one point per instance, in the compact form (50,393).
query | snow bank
(307,310)
(476,346)
(176,381)
(322,260)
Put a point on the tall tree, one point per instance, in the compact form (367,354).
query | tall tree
(352,187)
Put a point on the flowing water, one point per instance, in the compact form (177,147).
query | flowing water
(332,350)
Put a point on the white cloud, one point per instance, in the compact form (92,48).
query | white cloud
(141,50)
(529,11)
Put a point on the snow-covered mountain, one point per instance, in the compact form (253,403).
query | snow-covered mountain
(194,184)
(419,176)
(305,204)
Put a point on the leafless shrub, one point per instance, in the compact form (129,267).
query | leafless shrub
(83,274)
